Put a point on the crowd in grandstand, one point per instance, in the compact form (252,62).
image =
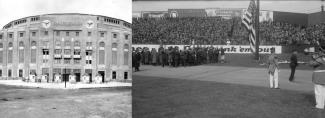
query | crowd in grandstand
(216,30)
(175,57)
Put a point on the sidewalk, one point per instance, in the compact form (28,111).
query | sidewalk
(62,85)
(234,75)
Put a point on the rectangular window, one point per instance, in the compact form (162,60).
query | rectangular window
(67,33)
(57,61)
(88,61)
(0,73)
(114,35)
(77,33)
(46,51)
(101,34)
(57,33)
(46,33)
(89,33)
(21,34)
(45,60)
(67,51)
(0,36)
(76,61)
(57,51)
(88,53)
(10,35)
(33,33)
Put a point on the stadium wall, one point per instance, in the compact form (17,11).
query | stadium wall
(292,18)
(240,49)
(316,18)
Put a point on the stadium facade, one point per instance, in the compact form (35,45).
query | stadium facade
(67,43)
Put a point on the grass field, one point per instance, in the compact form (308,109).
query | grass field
(18,102)
(157,97)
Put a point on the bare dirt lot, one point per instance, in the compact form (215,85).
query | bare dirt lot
(18,102)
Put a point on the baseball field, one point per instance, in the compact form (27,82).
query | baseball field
(236,89)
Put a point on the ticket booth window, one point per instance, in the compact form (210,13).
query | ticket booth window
(125,75)
(9,73)
(114,75)
(20,73)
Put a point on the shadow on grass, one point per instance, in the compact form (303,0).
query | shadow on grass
(178,98)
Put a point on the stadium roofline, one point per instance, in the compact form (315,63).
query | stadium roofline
(64,14)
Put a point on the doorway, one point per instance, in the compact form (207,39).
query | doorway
(102,73)
(65,77)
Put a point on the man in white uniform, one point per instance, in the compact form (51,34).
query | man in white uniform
(319,79)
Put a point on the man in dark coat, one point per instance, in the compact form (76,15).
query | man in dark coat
(293,65)
(164,58)
(137,60)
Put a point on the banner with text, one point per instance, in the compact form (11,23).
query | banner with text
(229,48)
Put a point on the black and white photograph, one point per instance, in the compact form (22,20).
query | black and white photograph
(228,58)
(65,59)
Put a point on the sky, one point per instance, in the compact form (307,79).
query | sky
(298,6)
(15,9)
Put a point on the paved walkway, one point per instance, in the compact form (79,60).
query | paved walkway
(62,86)
(235,75)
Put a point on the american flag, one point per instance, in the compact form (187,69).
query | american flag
(248,21)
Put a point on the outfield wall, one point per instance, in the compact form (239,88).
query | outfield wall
(241,49)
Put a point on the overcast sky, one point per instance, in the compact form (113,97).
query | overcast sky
(15,9)
(299,6)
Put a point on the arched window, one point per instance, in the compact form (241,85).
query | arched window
(101,53)
(21,52)
(10,44)
(101,44)
(33,52)
(33,44)
(10,52)
(67,43)
(21,44)
(126,54)
(58,43)
(114,53)
(77,44)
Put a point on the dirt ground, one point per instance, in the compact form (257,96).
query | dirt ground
(17,102)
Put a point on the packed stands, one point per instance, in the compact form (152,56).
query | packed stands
(216,31)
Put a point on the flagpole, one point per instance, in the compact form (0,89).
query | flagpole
(257,29)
